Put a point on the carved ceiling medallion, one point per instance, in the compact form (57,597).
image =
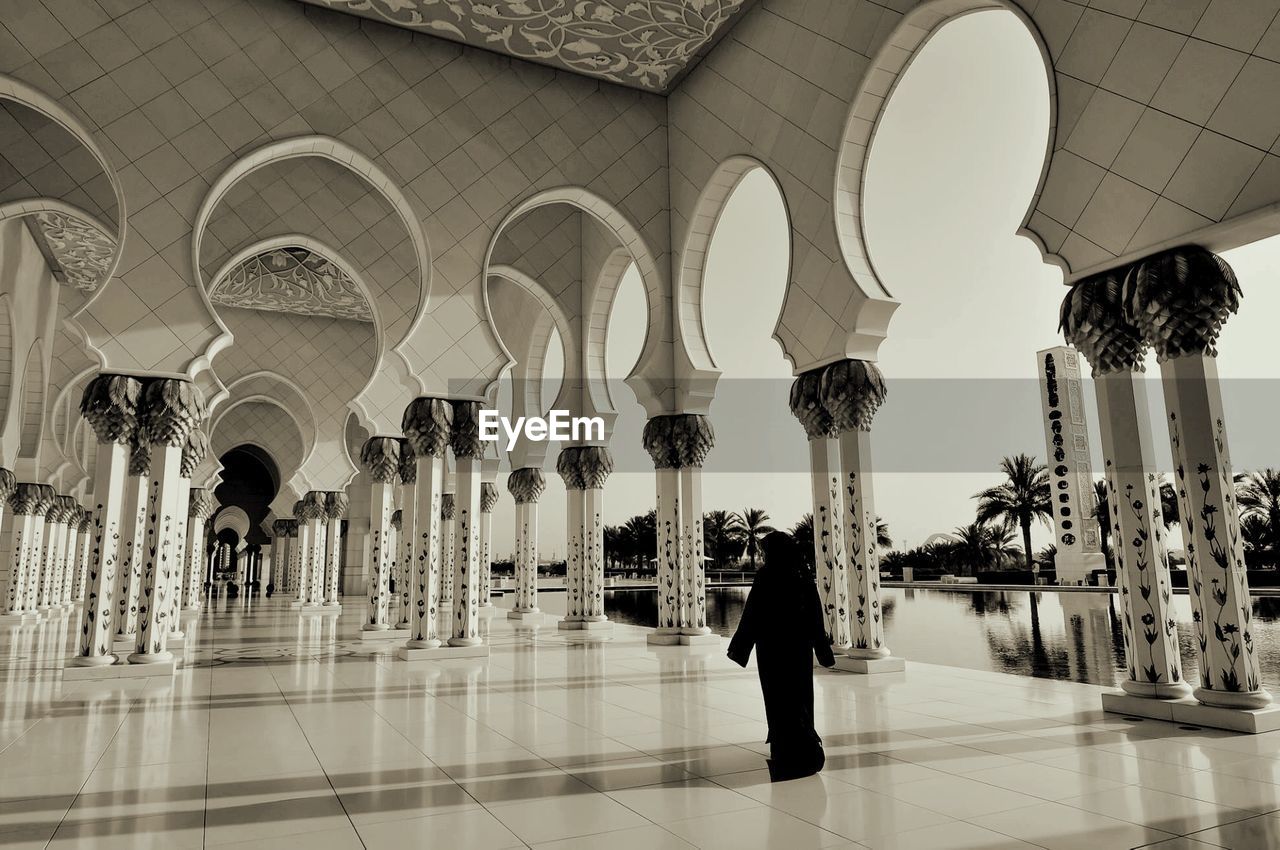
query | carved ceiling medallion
(292,280)
(642,43)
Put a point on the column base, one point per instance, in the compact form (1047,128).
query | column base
(465,641)
(334,604)
(320,611)
(1250,701)
(144,658)
(425,643)
(297,603)
(130,670)
(663,636)
(18,618)
(888,664)
(91,661)
(441,653)
(707,639)
(385,635)
(1157,690)
(1192,712)
(584,625)
(530,614)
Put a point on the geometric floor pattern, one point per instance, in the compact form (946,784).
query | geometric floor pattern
(286,732)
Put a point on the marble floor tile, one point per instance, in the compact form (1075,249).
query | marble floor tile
(274,737)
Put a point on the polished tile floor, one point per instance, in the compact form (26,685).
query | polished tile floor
(283,731)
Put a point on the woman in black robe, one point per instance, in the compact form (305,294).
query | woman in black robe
(782,621)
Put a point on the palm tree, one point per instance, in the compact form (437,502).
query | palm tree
(1048,556)
(718,536)
(642,531)
(802,534)
(1258,496)
(982,546)
(752,525)
(1022,499)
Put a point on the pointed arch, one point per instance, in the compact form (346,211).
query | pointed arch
(32,410)
(866,109)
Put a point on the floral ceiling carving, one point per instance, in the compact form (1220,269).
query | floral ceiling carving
(645,44)
(79,254)
(292,280)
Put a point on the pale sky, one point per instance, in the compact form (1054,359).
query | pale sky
(953,166)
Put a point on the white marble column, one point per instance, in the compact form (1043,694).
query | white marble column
(448,511)
(293,550)
(277,554)
(55,529)
(83,561)
(193,454)
(526,486)
(1093,322)
(568,468)
(467,450)
(406,535)
(595,464)
(315,516)
(852,391)
(28,521)
(1179,300)
(428,426)
(133,527)
(335,510)
(660,444)
(199,508)
(488,501)
(7,485)
(381,457)
(35,567)
(827,492)
(70,549)
(301,554)
(169,411)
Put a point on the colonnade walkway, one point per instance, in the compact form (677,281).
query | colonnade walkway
(281,731)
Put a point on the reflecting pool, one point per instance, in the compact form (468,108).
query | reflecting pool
(1055,635)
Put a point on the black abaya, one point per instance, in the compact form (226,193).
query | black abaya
(782,621)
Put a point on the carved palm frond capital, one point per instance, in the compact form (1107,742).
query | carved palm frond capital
(526,484)
(381,457)
(428,425)
(806,405)
(1093,321)
(1180,299)
(170,410)
(110,405)
(488,497)
(852,391)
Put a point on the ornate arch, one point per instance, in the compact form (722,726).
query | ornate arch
(707,212)
(651,373)
(32,98)
(896,54)
(334,150)
(32,407)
